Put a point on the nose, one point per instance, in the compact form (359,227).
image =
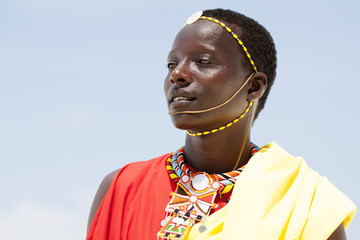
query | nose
(181,75)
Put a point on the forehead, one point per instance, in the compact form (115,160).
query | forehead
(207,35)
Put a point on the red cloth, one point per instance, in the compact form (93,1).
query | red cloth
(134,205)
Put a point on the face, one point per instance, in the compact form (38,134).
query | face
(204,70)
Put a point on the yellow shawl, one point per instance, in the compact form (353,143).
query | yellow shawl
(278,196)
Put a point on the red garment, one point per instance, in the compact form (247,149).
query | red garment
(134,205)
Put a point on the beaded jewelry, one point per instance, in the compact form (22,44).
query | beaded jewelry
(192,201)
(222,127)
(194,196)
(176,167)
(226,180)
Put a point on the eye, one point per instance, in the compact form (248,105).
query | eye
(204,61)
(171,65)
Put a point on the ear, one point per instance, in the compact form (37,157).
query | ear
(257,86)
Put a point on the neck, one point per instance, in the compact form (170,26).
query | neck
(219,152)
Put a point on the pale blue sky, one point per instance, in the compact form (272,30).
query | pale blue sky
(81,95)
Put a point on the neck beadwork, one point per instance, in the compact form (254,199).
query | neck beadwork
(194,196)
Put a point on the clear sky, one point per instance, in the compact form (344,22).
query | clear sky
(81,95)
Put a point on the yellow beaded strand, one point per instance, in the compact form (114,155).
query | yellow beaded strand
(234,36)
(222,127)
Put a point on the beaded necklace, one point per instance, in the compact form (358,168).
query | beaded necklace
(176,167)
(194,195)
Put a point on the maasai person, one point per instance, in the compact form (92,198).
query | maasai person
(222,65)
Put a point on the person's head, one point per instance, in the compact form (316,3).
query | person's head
(206,64)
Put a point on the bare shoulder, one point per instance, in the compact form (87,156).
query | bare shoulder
(338,234)
(100,194)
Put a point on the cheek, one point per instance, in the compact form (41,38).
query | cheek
(218,82)
(223,87)
(217,74)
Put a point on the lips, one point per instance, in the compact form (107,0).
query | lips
(178,99)
(179,95)
(180,102)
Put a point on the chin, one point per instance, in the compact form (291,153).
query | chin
(184,122)
(193,123)
(182,125)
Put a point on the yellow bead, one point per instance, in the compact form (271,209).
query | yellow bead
(245,49)
(222,128)
(215,20)
(246,110)
(206,132)
(223,25)
(242,115)
(236,120)
(250,104)
(229,124)
(248,55)
(252,62)
(191,134)
(227,188)
(240,42)
(199,134)
(173,176)
(209,18)
(228,29)
(235,36)
(255,69)
(214,130)
(203,17)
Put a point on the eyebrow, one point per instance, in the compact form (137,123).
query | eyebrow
(199,48)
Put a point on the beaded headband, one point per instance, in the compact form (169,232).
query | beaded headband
(198,15)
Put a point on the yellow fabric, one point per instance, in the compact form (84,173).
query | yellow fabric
(278,196)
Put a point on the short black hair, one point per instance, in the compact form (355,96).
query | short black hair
(257,40)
